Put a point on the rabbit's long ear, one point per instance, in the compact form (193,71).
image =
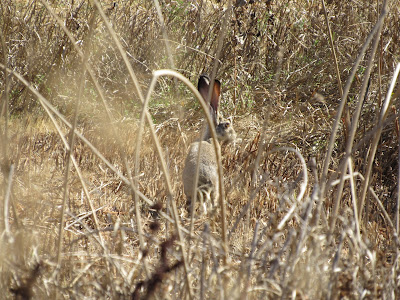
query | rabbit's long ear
(203,86)
(216,93)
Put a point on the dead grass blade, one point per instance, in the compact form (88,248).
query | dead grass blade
(375,141)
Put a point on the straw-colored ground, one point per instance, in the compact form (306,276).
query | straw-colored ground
(109,218)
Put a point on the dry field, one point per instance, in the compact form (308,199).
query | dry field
(98,111)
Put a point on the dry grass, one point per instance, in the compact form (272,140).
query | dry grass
(99,222)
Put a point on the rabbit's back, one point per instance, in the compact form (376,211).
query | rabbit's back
(208,174)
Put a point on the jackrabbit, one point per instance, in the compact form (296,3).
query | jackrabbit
(207,186)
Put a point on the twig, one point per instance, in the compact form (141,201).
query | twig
(68,161)
(339,80)
(354,198)
(222,204)
(165,35)
(5,96)
(374,145)
(7,197)
(398,189)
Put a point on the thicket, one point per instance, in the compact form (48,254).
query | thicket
(311,188)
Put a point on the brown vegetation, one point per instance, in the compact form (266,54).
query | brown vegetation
(310,203)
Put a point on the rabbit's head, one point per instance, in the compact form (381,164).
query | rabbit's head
(223,126)
(225,131)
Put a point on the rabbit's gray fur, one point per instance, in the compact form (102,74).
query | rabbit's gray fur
(208,174)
